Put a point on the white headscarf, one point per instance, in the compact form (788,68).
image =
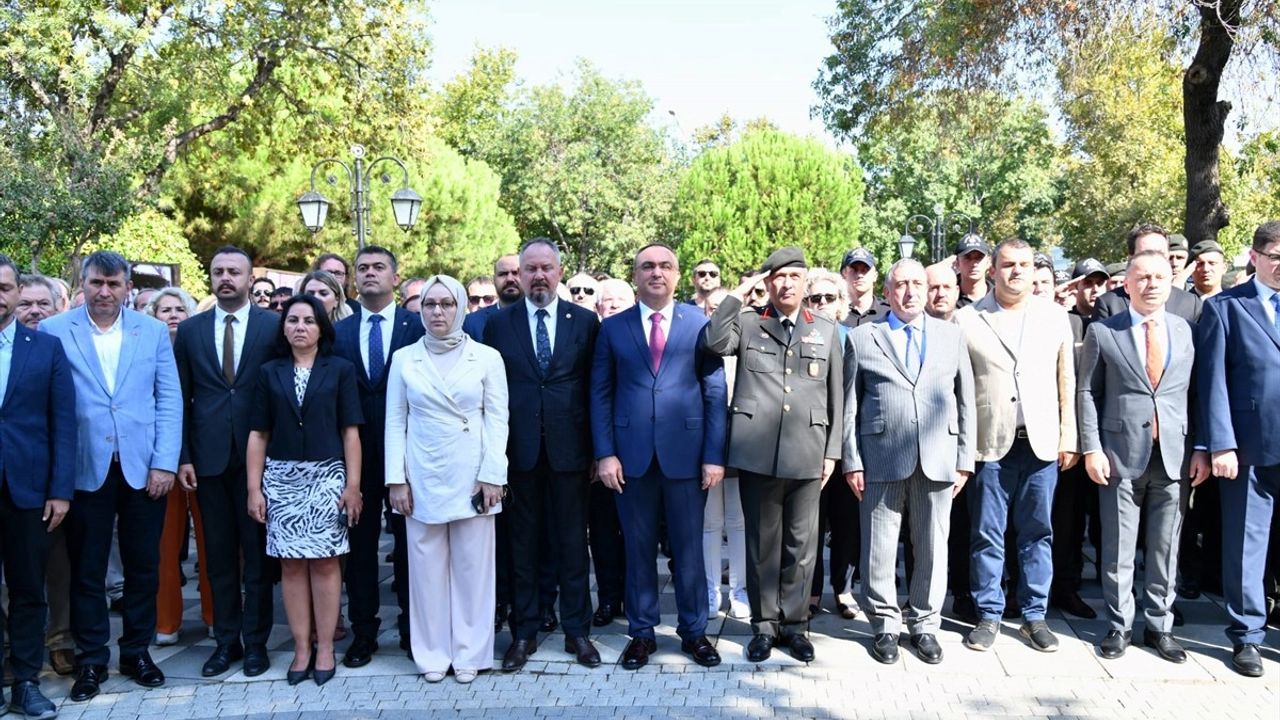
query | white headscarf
(455,336)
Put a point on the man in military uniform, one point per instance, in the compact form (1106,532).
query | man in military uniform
(784,438)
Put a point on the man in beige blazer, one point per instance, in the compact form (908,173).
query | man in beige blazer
(1023,359)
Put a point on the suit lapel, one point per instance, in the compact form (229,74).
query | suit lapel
(635,327)
(284,374)
(208,349)
(523,335)
(82,334)
(252,334)
(1180,341)
(319,369)
(885,342)
(1123,337)
(771,323)
(563,331)
(1252,305)
(17,361)
(131,327)
(989,312)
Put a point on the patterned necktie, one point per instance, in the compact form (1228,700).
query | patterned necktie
(1275,303)
(913,353)
(657,341)
(788,326)
(229,349)
(376,361)
(544,341)
(1155,366)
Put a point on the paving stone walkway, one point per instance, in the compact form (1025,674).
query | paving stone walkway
(1011,680)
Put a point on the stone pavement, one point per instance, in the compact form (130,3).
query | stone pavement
(844,682)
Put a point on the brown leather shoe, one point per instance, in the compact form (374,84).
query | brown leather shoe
(582,649)
(637,653)
(518,654)
(63,662)
(701,650)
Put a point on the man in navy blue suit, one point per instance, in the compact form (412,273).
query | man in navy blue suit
(37,480)
(658,407)
(546,346)
(368,339)
(1239,384)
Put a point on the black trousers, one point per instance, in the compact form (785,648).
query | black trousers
(89,526)
(838,512)
(1075,506)
(237,560)
(566,492)
(1200,547)
(363,598)
(24,549)
(607,550)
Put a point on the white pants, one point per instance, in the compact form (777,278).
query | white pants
(451,593)
(723,516)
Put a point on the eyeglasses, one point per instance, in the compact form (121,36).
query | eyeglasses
(431,306)
(759,292)
(476,299)
(262,293)
(582,291)
(822,298)
(707,273)
(1273,258)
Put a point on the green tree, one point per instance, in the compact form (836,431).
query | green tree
(739,202)
(990,158)
(470,106)
(152,237)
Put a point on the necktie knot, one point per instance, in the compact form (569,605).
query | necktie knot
(375,319)
(542,313)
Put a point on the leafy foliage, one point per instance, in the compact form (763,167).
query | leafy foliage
(150,236)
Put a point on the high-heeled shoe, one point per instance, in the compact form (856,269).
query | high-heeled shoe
(293,677)
(323,676)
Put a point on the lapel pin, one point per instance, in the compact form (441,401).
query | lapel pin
(567,316)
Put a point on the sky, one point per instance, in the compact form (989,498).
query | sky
(697,59)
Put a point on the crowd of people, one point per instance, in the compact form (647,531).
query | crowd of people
(517,433)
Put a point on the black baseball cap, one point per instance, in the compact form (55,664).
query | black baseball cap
(860,255)
(1089,266)
(1041,260)
(971,242)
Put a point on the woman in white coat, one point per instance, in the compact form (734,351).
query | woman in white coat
(446,469)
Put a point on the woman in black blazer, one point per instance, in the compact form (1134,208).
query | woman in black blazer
(304,475)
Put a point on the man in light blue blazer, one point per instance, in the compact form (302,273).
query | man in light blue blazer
(1238,378)
(129,413)
(910,424)
(658,409)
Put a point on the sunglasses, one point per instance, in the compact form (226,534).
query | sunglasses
(262,293)
(707,273)
(822,298)
(582,291)
(759,292)
(476,299)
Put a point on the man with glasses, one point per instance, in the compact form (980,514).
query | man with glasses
(582,290)
(481,293)
(260,293)
(278,296)
(706,280)
(859,271)
(1238,379)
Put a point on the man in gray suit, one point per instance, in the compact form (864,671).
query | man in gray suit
(1135,376)
(909,425)
(784,438)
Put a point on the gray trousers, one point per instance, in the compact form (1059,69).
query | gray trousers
(1121,502)
(928,508)
(781,519)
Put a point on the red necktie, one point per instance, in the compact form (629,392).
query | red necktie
(657,341)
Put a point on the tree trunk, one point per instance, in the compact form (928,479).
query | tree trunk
(1204,119)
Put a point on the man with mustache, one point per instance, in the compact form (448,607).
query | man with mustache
(506,279)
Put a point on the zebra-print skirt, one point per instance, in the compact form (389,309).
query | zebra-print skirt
(302,508)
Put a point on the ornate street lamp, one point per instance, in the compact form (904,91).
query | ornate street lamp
(935,228)
(405,203)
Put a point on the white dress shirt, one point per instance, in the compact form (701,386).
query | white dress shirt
(239,329)
(646,316)
(550,321)
(1139,333)
(388,314)
(106,343)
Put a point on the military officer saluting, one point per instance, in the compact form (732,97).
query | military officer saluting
(784,438)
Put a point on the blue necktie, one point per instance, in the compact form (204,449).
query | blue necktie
(913,353)
(1275,303)
(376,361)
(544,341)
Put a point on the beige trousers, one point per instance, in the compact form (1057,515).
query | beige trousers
(451,593)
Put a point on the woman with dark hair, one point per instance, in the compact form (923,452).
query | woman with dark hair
(304,476)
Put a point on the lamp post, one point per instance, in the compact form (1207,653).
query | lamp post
(936,229)
(405,203)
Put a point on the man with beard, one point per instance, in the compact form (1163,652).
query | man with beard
(506,278)
(546,346)
(706,280)
(943,292)
(481,293)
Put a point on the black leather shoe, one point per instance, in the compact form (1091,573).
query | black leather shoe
(1073,604)
(88,680)
(927,648)
(605,614)
(800,647)
(760,648)
(360,652)
(549,621)
(1165,646)
(141,668)
(518,654)
(1245,660)
(323,676)
(28,700)
(637,653)
(1114,644)
(221,659)
(256,660)
(884,648)
(583,651)
(293,677)
(701,650)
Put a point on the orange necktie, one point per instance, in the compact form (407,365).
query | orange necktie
(1155,365)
